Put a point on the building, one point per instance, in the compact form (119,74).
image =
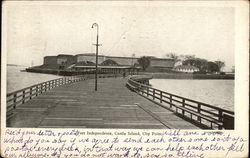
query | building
(186,68)
(66,60)
(125,61)
(91,57)
(47,60)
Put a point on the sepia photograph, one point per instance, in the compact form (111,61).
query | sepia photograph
(120,66)
(125,79)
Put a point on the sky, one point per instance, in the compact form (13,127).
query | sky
(35,31)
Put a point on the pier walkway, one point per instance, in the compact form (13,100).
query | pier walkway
(77,105)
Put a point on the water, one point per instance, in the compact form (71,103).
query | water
(219,93)
(18,80)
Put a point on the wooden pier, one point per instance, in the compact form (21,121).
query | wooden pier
(73,103)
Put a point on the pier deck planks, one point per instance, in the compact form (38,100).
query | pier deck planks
(77,105)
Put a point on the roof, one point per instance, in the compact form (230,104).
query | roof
(64,55)
(122,57)
(50,56)
(89,54)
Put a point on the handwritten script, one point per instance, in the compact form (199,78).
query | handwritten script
(22,143)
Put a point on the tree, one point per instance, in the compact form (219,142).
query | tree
(189,57)
(173,56)
(220,64)
(144,62)
(212,67)
(197,62)
(203,65)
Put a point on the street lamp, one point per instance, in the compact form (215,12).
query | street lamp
(96,58)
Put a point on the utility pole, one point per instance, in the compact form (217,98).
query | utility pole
(96,58)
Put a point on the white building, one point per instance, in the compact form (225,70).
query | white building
(186,68)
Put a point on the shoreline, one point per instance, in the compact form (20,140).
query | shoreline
(156,75)
(189,76)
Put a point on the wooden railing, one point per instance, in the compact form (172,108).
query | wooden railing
(23,95)
(201,114)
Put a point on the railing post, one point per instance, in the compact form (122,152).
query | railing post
(142,89)
(14,101)
(220,118)
(170,100)
(153,94)
(199,111)
(45,86)
(147,91)
(183,105)
(161,96)
(31,93)
(23,96)
(36,90)
(41,88)
(49,85)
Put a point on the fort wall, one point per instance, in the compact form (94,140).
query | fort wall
(162,64)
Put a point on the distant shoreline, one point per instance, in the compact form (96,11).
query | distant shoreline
(189,76)
(16,65)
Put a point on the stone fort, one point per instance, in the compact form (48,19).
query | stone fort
(156,64)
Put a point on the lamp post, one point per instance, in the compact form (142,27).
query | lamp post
(96,58)
(133,55)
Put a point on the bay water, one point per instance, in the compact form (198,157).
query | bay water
(219,93)
(17,79)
